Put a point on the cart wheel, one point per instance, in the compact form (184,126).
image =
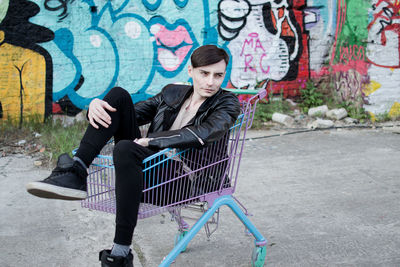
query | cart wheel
(179,236)
(258,256)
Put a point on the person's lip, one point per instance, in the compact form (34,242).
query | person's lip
(172,45)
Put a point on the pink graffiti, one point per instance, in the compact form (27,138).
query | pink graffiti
(261,67)
(247,63)
(166,40)
(349,53)
(253,45)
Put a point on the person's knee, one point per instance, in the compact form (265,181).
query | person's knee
(119,91)
(118,94)
(121,149)
(124,153)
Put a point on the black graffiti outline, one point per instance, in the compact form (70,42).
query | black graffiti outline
(21,92)
(63,5)
(382,22)
(386,21)
(234,31)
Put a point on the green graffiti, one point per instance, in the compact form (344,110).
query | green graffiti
(352,31)
(3,8)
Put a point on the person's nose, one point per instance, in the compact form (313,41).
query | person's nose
(210,80)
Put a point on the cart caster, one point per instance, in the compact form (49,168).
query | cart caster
(258,256)
(179,236)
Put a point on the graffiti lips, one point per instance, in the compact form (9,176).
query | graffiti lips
(172,45)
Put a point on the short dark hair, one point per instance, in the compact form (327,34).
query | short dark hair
(207,55)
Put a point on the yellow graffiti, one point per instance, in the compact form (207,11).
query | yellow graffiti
(371,87)
(394,111)
(372,116)
(22,82)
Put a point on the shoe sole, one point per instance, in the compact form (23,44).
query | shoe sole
(44,190)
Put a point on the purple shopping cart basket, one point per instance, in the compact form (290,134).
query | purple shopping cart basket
(176,179)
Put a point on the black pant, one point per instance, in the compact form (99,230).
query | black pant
(128,157)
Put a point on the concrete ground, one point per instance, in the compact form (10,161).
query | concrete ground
(323,198)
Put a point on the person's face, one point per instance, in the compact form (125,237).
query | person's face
(207,79)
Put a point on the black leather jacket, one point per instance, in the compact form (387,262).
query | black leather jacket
(214,117)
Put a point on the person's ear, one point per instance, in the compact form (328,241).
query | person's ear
(190,71)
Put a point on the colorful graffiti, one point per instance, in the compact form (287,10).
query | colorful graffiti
(384,33)
(138,45)
(57,55)
(25,83)
(347,64)
(320,22)
(265,40)
(383,52)
(143,45)
(366,49)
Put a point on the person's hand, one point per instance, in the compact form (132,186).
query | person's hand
(232,17)
(98,114)
(142,141)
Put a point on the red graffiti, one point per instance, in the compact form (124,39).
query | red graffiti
(386,19)
(387,13)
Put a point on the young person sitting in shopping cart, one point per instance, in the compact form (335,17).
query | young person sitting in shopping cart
(180,116)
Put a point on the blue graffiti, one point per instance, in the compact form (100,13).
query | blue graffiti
(151,6)
(325,10)
(156,5)
(138,46)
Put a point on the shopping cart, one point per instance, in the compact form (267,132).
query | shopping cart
(191,179)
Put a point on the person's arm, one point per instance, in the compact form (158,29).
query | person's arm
(146,110)
(217,123)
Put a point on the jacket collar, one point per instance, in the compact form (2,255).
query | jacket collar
(209,101)
(175,94)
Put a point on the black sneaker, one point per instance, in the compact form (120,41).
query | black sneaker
(67,181)
(108,260)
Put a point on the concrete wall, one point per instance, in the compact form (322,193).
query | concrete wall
(57,55)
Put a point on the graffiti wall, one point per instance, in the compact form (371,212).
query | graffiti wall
(364,56)
(383,52)
(267,41)
(26,73)
(57,55)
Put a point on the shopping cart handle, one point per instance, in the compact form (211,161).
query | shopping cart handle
(262,94)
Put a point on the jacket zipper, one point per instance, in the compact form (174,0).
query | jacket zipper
(198,138)
(171,136)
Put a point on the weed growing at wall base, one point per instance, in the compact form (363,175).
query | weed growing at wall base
(265,109)
(52,135)
(354,111)
(59,139)
(11,129)
(382,117)
(310,97)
